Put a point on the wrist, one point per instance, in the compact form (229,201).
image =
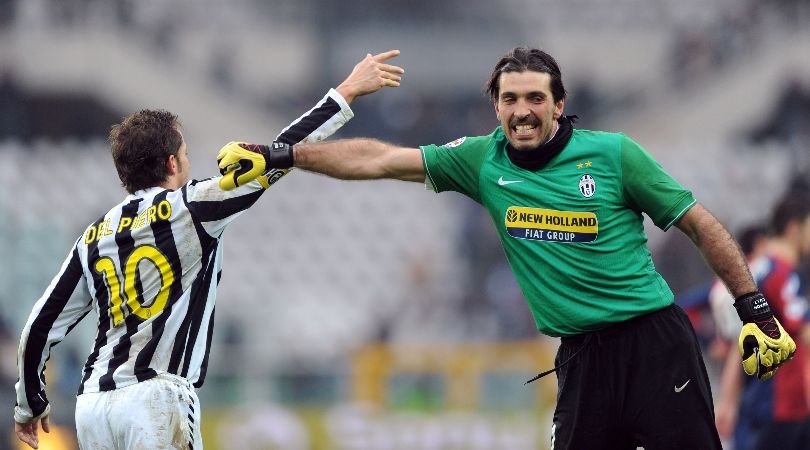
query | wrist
(346,92)
(752,307)
(25,416)
(279,155)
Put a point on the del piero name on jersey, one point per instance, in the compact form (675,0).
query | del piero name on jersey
(551,225)
(161,211)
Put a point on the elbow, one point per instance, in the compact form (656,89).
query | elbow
(695,223)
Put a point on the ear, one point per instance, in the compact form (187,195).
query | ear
(497,111)
(171,165)
(558,109)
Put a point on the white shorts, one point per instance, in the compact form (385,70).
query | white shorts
(156,414)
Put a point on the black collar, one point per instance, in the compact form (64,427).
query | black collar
(537,158)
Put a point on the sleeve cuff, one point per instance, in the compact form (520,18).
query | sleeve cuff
(430,185)
(345,109)
(679,215)
(24,416)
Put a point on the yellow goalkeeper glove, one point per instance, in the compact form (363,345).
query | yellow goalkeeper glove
(764,344)
(241,163)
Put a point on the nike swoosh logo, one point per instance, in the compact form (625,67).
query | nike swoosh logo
(502,182)
(680,388)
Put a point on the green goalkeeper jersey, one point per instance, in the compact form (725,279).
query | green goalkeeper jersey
(573,230)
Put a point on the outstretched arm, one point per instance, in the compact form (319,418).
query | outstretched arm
(360,159)
(348,159)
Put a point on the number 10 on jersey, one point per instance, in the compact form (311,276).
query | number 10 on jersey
(130,295)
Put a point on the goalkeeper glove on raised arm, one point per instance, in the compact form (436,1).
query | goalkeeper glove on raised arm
(240,162)
(764,344)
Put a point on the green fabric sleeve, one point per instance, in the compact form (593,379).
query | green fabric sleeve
(455,166)
(650,189)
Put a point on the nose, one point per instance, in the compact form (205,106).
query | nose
(522,110)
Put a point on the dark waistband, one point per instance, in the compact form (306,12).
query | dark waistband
(614,330)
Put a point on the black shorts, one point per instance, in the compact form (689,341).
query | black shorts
(641,383)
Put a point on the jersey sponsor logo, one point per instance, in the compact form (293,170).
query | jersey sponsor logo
(502,182)
(587,186)
(455,143)
(550,225)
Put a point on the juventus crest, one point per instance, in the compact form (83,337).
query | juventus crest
(587,186)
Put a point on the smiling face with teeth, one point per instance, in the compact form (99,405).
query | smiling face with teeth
(526,108)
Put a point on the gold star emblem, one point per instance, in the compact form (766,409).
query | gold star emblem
(579,166)
(588,164)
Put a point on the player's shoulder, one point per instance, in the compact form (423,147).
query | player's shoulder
(471,143)
(194,185)
(602,136)
(605,143)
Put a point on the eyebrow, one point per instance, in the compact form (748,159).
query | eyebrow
(528,94)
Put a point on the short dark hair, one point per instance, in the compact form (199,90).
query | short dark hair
(141,144)
(521,59)
(794,206)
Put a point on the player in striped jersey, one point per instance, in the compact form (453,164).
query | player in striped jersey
(151,265)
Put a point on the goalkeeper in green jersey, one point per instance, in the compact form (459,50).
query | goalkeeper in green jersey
(567,204)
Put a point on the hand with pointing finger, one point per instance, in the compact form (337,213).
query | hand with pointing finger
(370,75)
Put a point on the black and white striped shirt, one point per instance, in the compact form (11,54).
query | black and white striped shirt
(151,264)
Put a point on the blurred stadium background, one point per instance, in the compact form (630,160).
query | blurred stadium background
(371,315)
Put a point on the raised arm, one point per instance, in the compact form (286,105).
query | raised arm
(242,163)
(360,159)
